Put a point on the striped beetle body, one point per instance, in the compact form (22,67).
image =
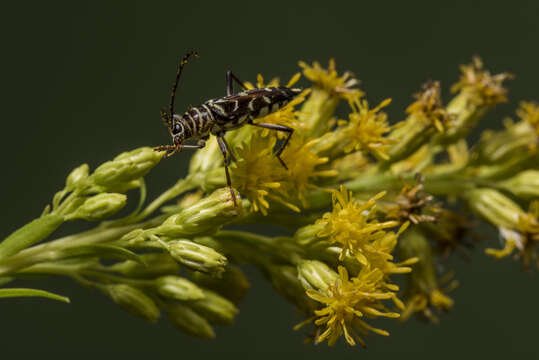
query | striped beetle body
(217,116)
(230,112)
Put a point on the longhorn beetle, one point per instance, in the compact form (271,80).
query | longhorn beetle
(217,116)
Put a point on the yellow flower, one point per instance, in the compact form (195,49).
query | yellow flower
(429,107)
(257,173)
(366,128)
(329,80)
(347,302)
(484,88)
(352,226)
(303,162)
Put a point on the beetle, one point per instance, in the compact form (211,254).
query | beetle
(219,115)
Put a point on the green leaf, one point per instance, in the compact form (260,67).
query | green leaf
(104,251)
(5,293)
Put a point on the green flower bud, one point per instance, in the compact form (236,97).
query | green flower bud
(285,280)
(525,185)
(197,257)
(215,308)
(306,236)
(211,179)
(77,176)
(157,264)
(204,217)
(207,158)
(414,244)
(99,207)
(408,138)
(126,167)
(134,301)
(497,147)
(316,275)
(233,284)
(495,207)
(187,320)
(177,288)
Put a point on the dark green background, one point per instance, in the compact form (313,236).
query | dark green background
(83,81)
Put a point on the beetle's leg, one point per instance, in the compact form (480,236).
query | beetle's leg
(172,149)
(223,146)
(276,127)
(229,84)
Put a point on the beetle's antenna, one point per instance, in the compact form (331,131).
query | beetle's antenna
(175,84)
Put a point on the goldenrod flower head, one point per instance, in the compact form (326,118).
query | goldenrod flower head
(303,161)
(428,106)
(380,251)
(346,302)
(330,81)
(351,225)
(485,89)
(366,128)
(257,173)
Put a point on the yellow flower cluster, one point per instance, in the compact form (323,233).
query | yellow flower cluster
(366,128)
(352,226)
(347,302)
(330,80)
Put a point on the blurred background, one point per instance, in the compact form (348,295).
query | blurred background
(84,81)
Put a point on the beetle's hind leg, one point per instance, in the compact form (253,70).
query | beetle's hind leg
(282,128)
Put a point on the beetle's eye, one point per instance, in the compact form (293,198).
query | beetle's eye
(176,129)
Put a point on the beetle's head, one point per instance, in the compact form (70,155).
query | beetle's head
(176,130)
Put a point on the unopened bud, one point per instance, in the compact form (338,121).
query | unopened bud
(316,275)
(524,185)
(285,280)
(215,308)
(187,320)
(99,207)
(207,158)
(126,167)
(306,236)
(233,284)
(204,217)
(495,207)
(197,257)
(77,176)
(154,264)
(177,288)
(134,301)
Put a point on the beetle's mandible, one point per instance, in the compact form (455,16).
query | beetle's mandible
(217,116)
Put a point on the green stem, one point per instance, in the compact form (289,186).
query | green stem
(54,250)
(30,234)
(180,187)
